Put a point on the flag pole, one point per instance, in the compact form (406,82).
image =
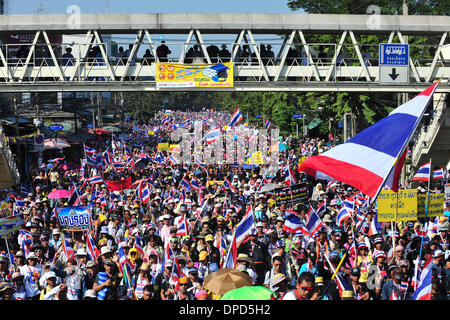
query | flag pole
(405,144)
(362,222)
(423,236)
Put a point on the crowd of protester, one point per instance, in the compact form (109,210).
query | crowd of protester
(141,241)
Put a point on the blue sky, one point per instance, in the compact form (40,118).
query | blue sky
(149,6)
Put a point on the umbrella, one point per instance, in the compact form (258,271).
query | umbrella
(141,164)
(249,293)
(70,166)
(226,279)
(59,194)
(112,129)
(55,144)
(269,187)
(249,166)
(100,131)
(280,146)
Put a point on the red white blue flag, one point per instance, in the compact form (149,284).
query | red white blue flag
(374,157)
(236,118)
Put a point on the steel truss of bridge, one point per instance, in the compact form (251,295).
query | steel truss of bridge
(340,60)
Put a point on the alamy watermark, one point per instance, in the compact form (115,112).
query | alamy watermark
(233,146)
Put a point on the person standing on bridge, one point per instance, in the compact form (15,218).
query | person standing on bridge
(162,52)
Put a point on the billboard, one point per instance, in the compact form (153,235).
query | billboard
(173,75)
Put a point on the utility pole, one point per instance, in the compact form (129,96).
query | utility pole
(93,111)
(99,110)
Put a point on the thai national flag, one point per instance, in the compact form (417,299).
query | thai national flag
(293,222)
(56,160)
(67,248)
(201,209)
(24,191)
(194,184)
(95,180)
(242,230)
(212,135)
(185,184)
(438,174)
(314,222)
(267,125)
(20,202)
(289,176)
(145,195)
(166,120)
(321,208)
(236,118)
(138,244)
(375,226)
(342,215)
(227,184)
(423,173)
(183,227)
(423,291)
(24,239)
(375,156)
(74,197)
(91,249)
(118,165)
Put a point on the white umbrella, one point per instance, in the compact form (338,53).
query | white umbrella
(55,144)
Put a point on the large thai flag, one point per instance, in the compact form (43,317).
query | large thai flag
(25,240)
(145,194)
(212,135)
(236,118)
(138,244)
(293,222)
(423,292)
(423,173)
(374,157)
(314,222)
(267,125)
(194,184)
(74,199)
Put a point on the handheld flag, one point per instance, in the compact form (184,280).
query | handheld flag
(423,174)
(236,118)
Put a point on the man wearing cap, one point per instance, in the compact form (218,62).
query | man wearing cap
(438,267)
(116,228)
(32,273)
(213,252)
(390,290)
(107,283)
(259,254)
(162,286)
(19,286)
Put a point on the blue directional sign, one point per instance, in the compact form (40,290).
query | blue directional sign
(394,54)
(56,127)
(297,116)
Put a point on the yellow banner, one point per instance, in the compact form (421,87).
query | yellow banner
(213,182)
(163,146)
(435,205)
(405,209)
(169,75)
(256,158)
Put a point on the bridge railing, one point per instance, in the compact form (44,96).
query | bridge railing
(293,61)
